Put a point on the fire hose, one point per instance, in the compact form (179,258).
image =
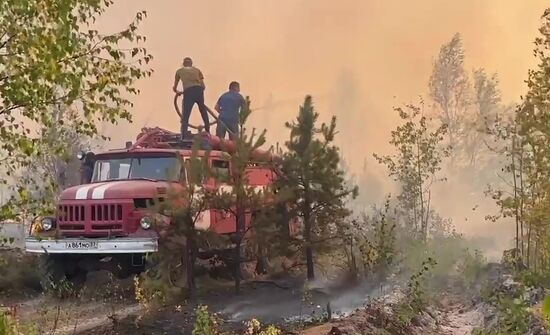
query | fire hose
(216,118)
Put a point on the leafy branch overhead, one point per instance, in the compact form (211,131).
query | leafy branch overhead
(51,55)
(525,140)
(51,59)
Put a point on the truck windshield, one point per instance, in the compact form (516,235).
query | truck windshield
(153,168)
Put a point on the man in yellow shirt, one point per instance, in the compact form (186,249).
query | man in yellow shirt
(193,93)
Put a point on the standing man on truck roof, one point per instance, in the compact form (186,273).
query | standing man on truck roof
(229,105)
(193,93)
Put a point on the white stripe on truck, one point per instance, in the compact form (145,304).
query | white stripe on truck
(82,192)
(99,192)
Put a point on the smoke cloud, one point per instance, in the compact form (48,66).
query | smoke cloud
(357,59)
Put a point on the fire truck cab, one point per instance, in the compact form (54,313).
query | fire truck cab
(104,224)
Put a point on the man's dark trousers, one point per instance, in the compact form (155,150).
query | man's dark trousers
(191,96)
(227,127)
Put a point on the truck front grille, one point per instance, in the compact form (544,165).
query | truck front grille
(71,213)
(95,219)
(71,218)
(106,212)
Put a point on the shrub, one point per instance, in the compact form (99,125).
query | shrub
(415,299)
(471,268)
(532,278)
(205,323)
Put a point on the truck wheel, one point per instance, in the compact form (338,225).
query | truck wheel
(54,279)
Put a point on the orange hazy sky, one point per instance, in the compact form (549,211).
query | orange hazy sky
(357,58)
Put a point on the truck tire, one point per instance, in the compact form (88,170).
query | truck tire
(54,278)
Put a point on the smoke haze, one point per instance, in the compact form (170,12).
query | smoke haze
(357,59)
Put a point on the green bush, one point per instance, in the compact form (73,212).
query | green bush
(471,267)
(513,315)
(416,297)
(532,278)
(11,326)
(205,323)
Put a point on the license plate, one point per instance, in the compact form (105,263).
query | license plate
(81,245)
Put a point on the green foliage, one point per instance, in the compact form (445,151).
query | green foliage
(479,331)
(546,307)
(472,268)
(459,265)
(7,324)
(526,137)
(171,271)
(254,327)
(375,238)
(415,296)
(154,288)
(513,315)
(55,164)
(5,327)
(312,181)
(242,199)
(50,56)
(11,325)
(414,166)
(205,323)
(532,278)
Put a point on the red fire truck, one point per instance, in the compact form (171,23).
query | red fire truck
(104,223)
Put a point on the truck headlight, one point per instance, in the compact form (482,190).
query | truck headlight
(146,222)
(47,223)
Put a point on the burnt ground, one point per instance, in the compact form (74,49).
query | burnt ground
(451,315)
(108,308)
(365,309)
(280,302)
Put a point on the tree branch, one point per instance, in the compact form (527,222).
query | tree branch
(8,40)
(45,103)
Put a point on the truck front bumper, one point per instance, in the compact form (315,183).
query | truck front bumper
(123,245)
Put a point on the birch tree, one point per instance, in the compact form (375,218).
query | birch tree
(418,158)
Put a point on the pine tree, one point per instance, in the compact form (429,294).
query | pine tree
(241,200)
(185,205)
(313,181)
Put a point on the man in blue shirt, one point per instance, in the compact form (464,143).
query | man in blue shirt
(229,105)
